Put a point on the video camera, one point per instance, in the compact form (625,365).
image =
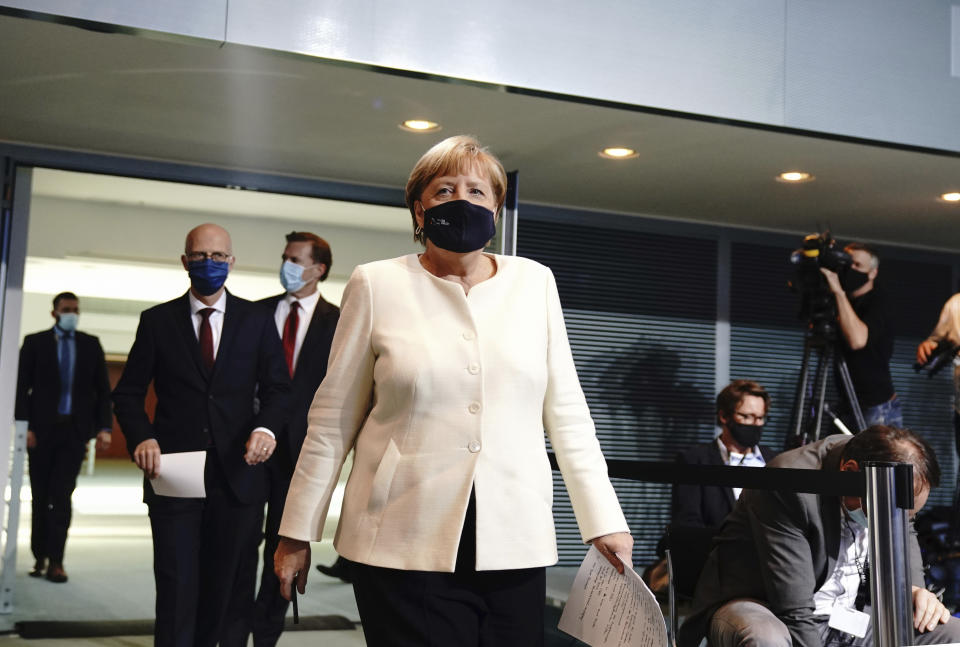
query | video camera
(817,304)
(939,357)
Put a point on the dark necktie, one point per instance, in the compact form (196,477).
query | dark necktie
(206,338)
(290,334)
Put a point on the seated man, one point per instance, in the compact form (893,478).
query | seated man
(742,407)
(784,562)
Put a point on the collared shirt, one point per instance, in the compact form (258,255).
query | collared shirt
(840,589)
(307,305)
(66,343)
(216,318)
(753,458)
(216,327)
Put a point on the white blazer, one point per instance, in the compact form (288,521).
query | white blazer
(439,392)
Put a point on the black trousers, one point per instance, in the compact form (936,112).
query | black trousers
(54,465)
(466,608)
(270,608)
(202,597)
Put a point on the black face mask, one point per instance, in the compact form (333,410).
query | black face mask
(745,435)
(853,280)
(459,226)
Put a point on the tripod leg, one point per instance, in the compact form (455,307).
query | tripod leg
(825,354)
(849,393)
(799,400)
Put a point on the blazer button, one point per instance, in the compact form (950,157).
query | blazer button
(474,407)
(469,335)
(474,447)
(474,368)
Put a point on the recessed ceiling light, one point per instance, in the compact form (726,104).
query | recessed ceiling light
(618,153)
(951,197)
(794,177)
(420,126)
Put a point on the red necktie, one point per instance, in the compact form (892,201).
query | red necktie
(290,334)
(206,338)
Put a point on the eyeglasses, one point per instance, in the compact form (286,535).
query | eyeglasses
(749,418)
(219,257)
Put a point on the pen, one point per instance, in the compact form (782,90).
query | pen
(293,598)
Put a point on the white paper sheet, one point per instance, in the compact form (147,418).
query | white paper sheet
(181,475)
(608,609)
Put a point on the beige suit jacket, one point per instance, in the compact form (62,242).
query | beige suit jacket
(439,392)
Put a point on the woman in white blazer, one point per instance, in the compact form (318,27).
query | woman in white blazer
(445,370)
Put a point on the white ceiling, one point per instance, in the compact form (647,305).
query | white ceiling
(254,109)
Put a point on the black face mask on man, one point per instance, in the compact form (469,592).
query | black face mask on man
(852,280)
(745,435)
(459,226)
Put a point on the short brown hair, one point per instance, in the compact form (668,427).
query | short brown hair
(882,443)
(321,249)
(454,155)
(733,394)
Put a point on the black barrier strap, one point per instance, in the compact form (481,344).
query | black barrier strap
(768,478)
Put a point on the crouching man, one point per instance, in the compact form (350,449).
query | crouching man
(785,562)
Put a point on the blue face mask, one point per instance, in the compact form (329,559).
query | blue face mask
(858,516)
(67,321)
(291,276)
(459,226)
(207,276)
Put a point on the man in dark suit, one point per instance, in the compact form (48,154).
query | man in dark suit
(64,395)
(305,322)
(209,355)
(742,407)
(786,563)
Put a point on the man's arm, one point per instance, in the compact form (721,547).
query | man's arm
(855,331)
(25,376)
(686,502)
(779,524)
(104,416)
(131,392)
(947,328)
(273,381)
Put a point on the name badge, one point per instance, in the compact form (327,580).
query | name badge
(850,621)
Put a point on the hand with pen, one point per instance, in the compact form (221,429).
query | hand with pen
(291,563)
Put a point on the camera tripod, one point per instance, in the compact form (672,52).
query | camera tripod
(823,342)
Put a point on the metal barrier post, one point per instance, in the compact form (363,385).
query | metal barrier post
(889,498)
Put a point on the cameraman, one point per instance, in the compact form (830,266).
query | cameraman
(947,332)
(867,339)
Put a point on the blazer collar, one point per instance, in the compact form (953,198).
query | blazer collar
(830,512)
(185,325)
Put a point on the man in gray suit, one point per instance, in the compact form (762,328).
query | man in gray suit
(784,563)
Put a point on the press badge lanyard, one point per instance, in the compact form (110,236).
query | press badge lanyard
(854,621)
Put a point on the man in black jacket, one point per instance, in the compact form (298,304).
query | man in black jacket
(742,407)
(305,322)
(64,395)
(209,355)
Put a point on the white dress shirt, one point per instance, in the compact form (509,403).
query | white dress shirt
(751,459)
(840,589)
(307,305)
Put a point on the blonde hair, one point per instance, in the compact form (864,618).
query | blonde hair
(451,156)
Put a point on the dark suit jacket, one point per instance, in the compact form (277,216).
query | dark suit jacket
(779,548)
(194,406)
(311,369)
(705,506)
(38,384)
